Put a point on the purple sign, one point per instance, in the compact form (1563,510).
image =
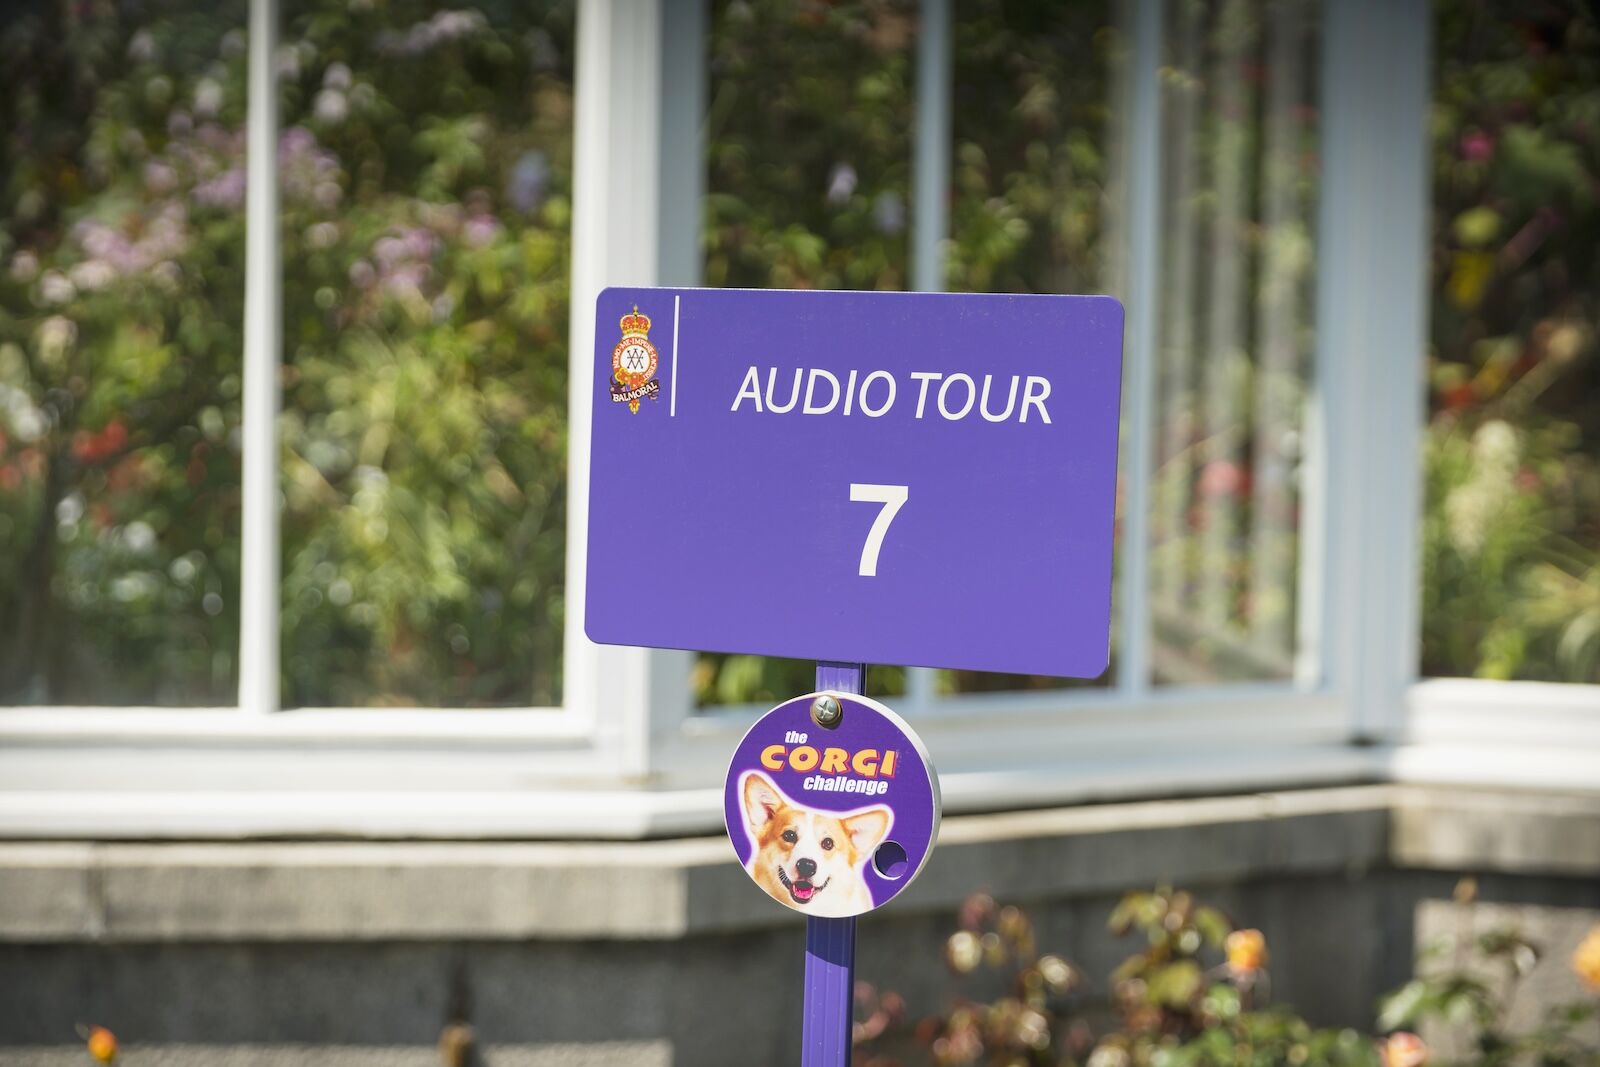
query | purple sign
(831,821)
(909,478)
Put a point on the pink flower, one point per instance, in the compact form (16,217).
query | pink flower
(1476,146)
(160,178)
(1221,477)
(388,251)
(480,230)
(226,190)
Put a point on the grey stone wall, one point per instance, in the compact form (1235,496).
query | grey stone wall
(660,953)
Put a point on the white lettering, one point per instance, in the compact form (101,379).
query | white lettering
(823,394)
(751,389)
(1028,397)
(866,384)
(794,395)
(893,498)
(924,376)
(811,385)
(1011,399)
(972,394)
(816,783)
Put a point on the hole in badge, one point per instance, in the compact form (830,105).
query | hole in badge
(890,860)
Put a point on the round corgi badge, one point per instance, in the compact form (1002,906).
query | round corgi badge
(832,820)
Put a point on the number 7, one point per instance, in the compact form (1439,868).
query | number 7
(893,498)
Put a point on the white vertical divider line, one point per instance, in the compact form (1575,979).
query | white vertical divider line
(263,328)
(1138,410)
(930,196)
(672,400)
(616,156)
(1365,506)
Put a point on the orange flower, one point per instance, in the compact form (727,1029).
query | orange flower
(1247,951)
(1586,960)
(102,1044)
(1403,1049)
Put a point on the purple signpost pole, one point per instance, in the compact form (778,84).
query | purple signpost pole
(830,943)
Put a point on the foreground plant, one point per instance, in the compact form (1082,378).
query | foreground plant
(100,1042)
(1469,981)
(1196,994)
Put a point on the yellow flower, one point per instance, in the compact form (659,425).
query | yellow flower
(1403,1049)
(1586,960)
(102,1044)
(1247,951)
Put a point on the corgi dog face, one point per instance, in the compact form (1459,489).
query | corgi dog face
(810,860)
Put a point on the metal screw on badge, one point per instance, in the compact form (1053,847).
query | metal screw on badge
(826,710)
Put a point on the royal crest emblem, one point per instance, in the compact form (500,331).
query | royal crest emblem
(634,362)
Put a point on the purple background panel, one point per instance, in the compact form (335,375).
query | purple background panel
(912,795)
(734,531)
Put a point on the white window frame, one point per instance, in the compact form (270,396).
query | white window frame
(626,756)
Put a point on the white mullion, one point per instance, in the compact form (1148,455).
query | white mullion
(1366,417)
(1144,209)
(615,241)
(930,211)
(683,146)
(263,323)
(680,209)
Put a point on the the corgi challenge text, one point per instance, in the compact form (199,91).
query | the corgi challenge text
(833,765)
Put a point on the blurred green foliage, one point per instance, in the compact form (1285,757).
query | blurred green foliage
(809,143)
(424,167)
(1512,521)
(121,304)
(425,386)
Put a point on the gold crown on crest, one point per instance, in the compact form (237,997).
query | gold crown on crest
(635,324)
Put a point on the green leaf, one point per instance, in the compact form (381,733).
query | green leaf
(1403,1006)
(1175,984)
(1213,925)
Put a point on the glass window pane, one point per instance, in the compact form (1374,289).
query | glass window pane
(1512,527)
(808,185)
(121,310)
(1234,343)
(809,143)
(1035,184)
(425,163)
